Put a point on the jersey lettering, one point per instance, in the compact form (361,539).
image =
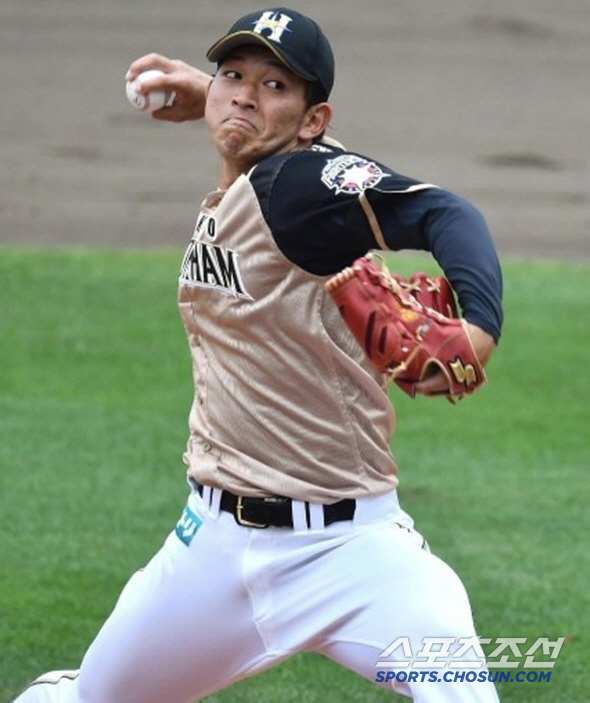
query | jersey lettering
(211,266)
(205,226)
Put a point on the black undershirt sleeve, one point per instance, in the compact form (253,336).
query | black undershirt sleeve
(322,231)
(457,236)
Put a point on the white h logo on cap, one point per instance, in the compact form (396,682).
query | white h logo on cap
(276,26)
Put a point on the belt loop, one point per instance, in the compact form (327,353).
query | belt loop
(214,501)
(206,492)
(316,516)
(299,516)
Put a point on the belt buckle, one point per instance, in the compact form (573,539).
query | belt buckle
(246,523)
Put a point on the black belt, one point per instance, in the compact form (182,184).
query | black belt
(276,511)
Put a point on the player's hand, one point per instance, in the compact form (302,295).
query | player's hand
(483,344)
(189,83)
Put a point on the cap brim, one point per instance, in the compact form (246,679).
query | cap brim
(245,37)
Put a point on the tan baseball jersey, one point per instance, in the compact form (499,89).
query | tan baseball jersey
(285,401)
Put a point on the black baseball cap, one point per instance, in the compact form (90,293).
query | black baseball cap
(296,41)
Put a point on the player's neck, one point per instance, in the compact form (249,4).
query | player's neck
(232,169)
(230,172)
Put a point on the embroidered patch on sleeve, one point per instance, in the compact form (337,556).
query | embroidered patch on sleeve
(351,174)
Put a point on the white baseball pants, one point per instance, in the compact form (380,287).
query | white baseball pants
(220,602)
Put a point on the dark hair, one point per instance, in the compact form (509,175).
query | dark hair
(315,94)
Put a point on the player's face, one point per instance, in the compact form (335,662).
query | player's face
(255,108)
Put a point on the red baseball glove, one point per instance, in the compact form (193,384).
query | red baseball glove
(408,328)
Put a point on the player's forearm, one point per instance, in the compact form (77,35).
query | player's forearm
(189,83)
(457,235)
(462,244)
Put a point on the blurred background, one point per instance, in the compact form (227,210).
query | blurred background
(491,100)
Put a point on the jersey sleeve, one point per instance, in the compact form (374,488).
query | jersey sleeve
(315,228)
(457,236)
(327,207)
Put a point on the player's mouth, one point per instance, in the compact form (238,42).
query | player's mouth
(240,121)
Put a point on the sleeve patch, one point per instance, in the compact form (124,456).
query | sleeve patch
(349,173)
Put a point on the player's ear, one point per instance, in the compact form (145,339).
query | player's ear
(316,120)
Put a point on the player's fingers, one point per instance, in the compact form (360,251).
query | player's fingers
(189,85)
(176,76)
(434,384)
(153,60)
(179,111)
(171,113)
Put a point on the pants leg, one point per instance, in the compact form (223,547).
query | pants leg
(404,591)
(182,628)
(228,602)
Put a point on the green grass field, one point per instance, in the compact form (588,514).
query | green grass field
(94,396)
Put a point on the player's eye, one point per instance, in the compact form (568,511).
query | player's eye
(275,85)
(232,74)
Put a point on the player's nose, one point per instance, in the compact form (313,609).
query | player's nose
(245,96)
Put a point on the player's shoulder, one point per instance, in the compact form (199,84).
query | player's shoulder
(325,171)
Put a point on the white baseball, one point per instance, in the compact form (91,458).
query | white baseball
(154,100)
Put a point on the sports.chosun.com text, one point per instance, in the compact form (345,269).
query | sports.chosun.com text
(464,660)
(460,676)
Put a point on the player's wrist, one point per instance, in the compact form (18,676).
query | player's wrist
(483,343)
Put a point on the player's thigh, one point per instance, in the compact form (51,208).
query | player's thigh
(182,627)
(403,593)
(398,589)
(423,686)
